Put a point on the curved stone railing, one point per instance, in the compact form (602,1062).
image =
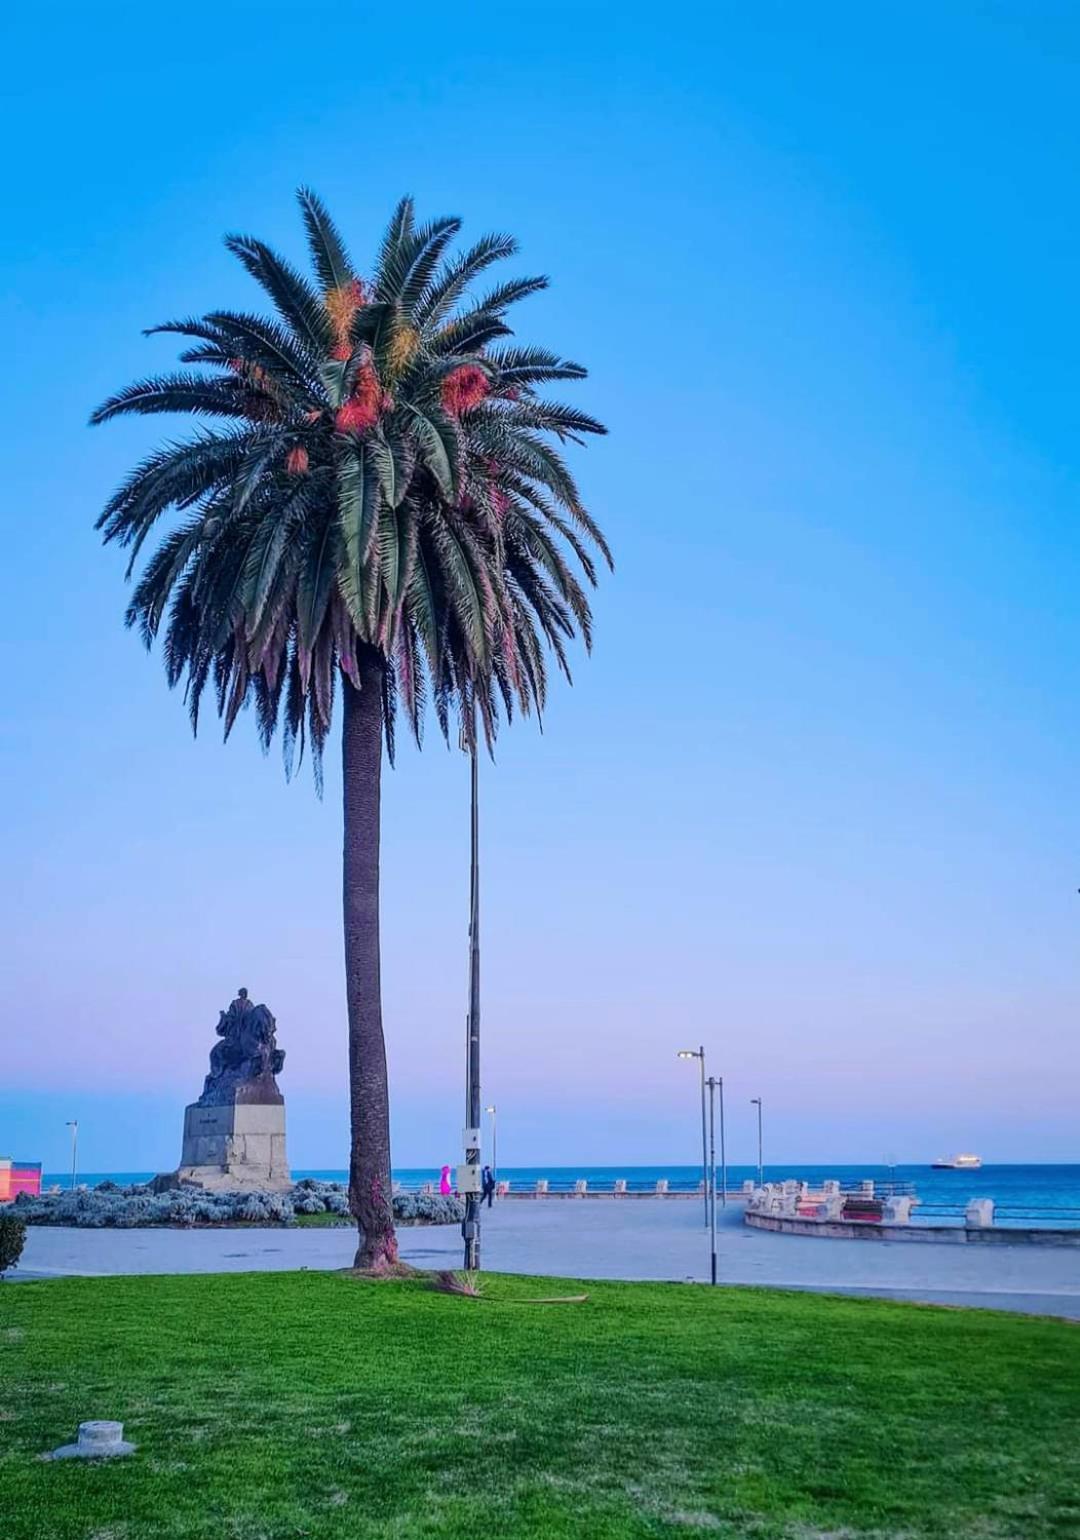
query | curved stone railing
(792,1208)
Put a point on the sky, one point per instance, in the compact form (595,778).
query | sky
(812,800)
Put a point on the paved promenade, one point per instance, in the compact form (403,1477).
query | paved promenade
(645,1238)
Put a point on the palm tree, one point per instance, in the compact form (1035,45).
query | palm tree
(374,503)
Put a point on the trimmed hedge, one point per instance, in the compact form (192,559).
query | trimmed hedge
(128,1208)
(310,1196)
(112,1207)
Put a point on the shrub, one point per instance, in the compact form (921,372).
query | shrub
(305,1202)
(12,1237)
(136,1211)
(427,1208)
(253,1208)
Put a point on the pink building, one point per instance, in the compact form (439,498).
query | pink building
(18,1176)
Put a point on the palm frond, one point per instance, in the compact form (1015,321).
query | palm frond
(295,301)
(328,254)
(196,393)
(447,286)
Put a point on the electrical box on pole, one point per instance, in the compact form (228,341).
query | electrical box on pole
(469,1181)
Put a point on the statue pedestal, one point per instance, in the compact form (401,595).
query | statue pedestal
(239,1145)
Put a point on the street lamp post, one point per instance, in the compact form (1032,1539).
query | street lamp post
(723,1149)
(755,1101)
(74,1126)
(712,1083)
(699,1054)
(494,1146)
(471,1225)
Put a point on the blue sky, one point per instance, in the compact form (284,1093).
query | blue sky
(813,799)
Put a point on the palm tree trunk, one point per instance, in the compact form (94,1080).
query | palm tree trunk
(370,1192)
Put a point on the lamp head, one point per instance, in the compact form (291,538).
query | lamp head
(689,1053)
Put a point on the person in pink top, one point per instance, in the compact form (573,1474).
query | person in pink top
(444,1182)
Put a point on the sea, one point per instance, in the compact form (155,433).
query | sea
(1023,1194)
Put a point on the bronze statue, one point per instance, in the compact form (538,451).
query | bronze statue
(243,1064)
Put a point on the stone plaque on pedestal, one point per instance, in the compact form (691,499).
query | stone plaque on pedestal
(234,1135)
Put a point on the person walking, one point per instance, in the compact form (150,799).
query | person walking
(487,1186)
(444,1182)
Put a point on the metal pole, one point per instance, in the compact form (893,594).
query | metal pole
(723,1147)
(471,1227)
(756,1100)
(711,1190)
(74,1126)
(704,1151)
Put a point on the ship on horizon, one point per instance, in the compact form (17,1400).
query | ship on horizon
(957,1163)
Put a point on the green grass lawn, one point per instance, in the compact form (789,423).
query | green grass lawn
(268,1406)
